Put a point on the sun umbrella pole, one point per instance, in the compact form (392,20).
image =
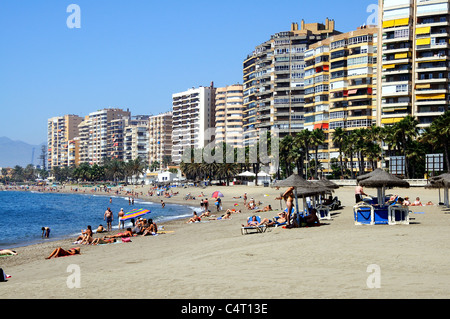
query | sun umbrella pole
(296,206)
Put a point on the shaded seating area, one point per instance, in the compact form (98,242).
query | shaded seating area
(378,210)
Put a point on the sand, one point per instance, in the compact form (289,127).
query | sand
(213,260)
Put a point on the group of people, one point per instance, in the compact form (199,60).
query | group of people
(359,193)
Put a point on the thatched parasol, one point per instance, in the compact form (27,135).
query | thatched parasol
(302,188)
(441,181)
(365,176)
(381,179)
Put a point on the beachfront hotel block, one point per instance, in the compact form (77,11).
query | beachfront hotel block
(273,77)
(160,139)
(60,131)
(229,115)
(193,120)
(415,60)
(340,86)
(93,134)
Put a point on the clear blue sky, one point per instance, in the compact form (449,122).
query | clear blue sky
(134,54)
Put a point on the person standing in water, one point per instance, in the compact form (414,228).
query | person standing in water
(108,216)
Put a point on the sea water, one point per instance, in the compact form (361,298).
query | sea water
(23,214)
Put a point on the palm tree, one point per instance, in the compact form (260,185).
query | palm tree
(317,140)
(338,141)
(349,150)
(406,131)
(437,135)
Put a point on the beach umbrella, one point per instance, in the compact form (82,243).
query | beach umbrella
(217,194)
(381,179)
(441,181)
(374,172)
(135,213)
(302,188)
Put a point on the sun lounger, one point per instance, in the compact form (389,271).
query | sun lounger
(323,212)
(363,214)
(258,229)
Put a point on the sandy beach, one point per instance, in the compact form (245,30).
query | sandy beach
(213,260)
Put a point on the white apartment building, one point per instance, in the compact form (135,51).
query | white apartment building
(160,138)
(193,120)
(94,134)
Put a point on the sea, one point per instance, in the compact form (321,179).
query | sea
(24,213)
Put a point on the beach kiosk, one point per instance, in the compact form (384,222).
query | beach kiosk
(377,211)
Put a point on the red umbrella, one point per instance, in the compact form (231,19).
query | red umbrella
(217,194)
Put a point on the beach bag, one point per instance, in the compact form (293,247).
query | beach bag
(2,275)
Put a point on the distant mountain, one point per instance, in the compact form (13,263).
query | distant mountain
(14,153)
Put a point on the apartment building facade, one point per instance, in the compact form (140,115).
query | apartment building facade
(229,115)
(193,120)
(94,132)
(160,139)
(136,140)
(60,131)
(341,85)
(415,60)
(273,77)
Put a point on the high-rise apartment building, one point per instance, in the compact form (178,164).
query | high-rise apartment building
(229,115)
(94,144)
(136,141)
(415,65)
(160,139)
(61,130)
(341,85)
(274,80)
(193,120)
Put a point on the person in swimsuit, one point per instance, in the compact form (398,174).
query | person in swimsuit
(45,232)
(108,216)
(7,252)
(127,233)
(288,196)
(121,222)
(59,252)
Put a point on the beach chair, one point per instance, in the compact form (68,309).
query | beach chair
(398,215)
(323,212)
(381,215)
(257,229)
(277,223)
(363,214)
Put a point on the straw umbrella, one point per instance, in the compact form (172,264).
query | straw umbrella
(441,181)
(381,179)
(301,187)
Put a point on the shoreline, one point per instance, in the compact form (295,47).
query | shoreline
(213,260)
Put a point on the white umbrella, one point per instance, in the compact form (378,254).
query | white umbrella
(247,173)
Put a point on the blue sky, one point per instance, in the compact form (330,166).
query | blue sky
(134,54)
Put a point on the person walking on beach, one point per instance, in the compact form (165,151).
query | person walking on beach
(288,196)
(109,218)
(121,222)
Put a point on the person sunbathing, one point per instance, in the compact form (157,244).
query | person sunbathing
(227,215)
(417,202)
(152,228)
(85,233)
(194,219)
(59,252)
(233,211)
(309,220)
(127,233)
(280,220)
(265,209)
(252,223)
(102,241)
(206,214)
(7,252)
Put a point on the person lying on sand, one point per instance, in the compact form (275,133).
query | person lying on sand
(59,252)
(102,241)
(7,252)
(227,215)
(127,233)
(265,209)
(206,214)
